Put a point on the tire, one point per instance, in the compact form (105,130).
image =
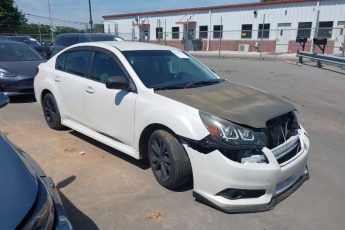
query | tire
(51,112)
(168,159)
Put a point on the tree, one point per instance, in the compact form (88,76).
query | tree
(65,29)
(10,17)
(33,29)
(99,28)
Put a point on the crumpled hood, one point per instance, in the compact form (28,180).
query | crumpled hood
(18,186)
(233,102)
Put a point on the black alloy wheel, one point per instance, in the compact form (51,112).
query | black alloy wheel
(168,159)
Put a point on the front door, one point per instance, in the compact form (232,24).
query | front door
(283,37)
(110,112)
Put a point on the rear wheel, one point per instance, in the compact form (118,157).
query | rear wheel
(51,112)
(168,159)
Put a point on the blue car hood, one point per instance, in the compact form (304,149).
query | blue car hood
(18,185)
(26,68)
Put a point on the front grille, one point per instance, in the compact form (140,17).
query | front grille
(287,150)
(280,129)
(290,154)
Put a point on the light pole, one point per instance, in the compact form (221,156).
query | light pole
(51,24)
(90,16)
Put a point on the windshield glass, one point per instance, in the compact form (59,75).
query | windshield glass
(169,69)
(17,52)
(26,40)
(102,37)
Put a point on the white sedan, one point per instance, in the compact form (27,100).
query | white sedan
(243,148)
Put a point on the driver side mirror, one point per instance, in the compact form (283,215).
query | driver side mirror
(4,100)
(117,82)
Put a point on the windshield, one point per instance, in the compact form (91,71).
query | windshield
(102,37)
(160,69)
(26,40)
(17,52)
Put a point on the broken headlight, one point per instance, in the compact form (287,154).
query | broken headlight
(242,144)
(229,132)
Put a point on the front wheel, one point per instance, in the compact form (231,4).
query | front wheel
(168,159)
(51,112)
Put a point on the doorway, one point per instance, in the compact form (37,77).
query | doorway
(144,33)
(283,37)
(189,35)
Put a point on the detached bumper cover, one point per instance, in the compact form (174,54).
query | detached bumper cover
(214,173)
(257,208)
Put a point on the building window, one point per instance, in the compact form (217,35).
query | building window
(159,33)
(246,31)
(304,30)
(325,30)
(264,31)
(175,32)
(218,31)
(203,31)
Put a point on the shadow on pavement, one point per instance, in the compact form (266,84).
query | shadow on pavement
(335,69)
(143,164)
(78,219)
(22,99)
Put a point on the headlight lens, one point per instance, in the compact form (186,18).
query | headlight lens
(5,73)
(42,216)
(231,133)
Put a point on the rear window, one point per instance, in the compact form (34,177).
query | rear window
(67,40)
(76,62)
(18,52)
(60,62)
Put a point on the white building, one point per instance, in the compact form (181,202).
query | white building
(244,27)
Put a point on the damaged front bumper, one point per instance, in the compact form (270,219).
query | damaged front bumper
(235,187)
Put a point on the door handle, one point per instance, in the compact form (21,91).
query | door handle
(89,90)
(57,79)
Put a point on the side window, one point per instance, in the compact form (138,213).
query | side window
(60,62)
(76,62)
(103,67)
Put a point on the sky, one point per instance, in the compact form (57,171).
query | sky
(78,10)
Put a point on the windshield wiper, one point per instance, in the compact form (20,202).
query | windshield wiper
(168,87)
(203,83)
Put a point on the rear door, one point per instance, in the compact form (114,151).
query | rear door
(71,69)
(110,112)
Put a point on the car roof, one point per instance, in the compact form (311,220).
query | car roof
(19,36)
(128,45)
(11,43)
(87,34)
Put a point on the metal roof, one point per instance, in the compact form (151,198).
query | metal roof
(253,4)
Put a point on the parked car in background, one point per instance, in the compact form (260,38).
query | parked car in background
(28,198)
(64,40)
(3,38)
(244,148)
(18,67)
(42,49)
